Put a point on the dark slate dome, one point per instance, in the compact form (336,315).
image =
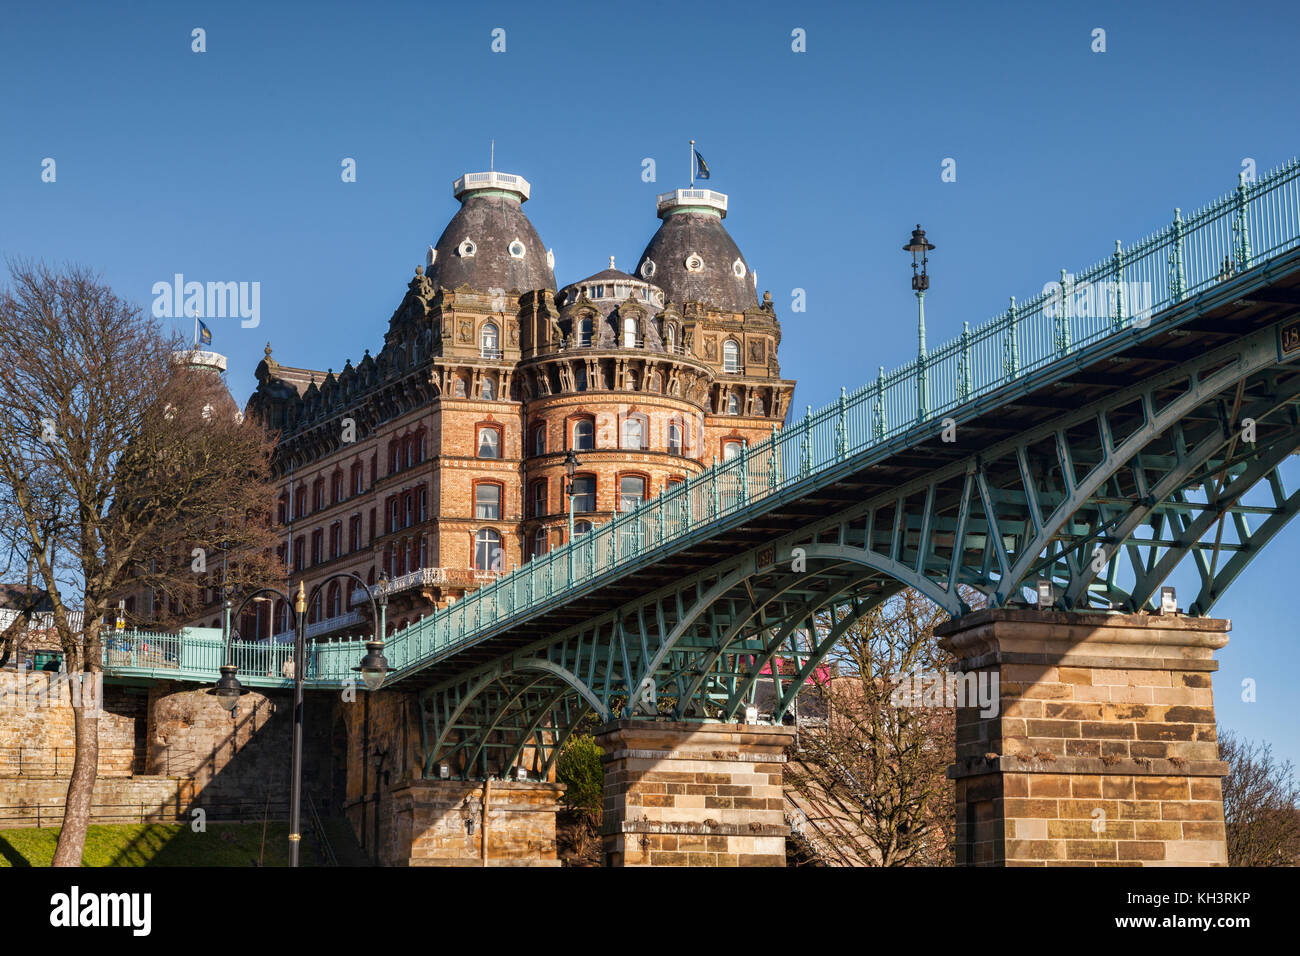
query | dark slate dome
(490,243)
(692,258)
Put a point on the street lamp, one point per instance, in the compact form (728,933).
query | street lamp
(571,464)
(920,247)
(228,690)
(373,669)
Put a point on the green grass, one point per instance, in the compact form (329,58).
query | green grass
(162,844)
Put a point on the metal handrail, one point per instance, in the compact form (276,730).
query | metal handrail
(1117,296)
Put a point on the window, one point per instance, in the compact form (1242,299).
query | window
(356,479)
(318,494)
(354,533)
(487,550)
(393,510)
(408,509)
(489,341)
(631,492)
(489,387)
(460,387)
(317,542)
(540,541)
(282,511)
(422,503)
(674,438)
(336,487)
(539,440)
(580,528)
(629,333)
(489,442)
(517,249)
(730,449)
(584,331)
(580,378)
(730,356)
(634,434)
(584,435)
(539,499)
(670,338)
(336,539)
(300,501)
(333,600)
(487,501)
(584,493)
(733,404)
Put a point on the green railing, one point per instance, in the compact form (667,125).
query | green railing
(1117,296)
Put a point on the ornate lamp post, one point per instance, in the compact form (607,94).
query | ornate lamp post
(373,669)
(571,464)
(919,247)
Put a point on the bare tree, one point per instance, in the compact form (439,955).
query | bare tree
(1261,804)
(121,468)
(874,771)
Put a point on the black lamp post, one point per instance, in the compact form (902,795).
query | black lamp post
(920,247)
(373,669)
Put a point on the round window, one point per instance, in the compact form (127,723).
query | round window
(694,263)
(467,248)
(738,268)
(517,249)
(647,268)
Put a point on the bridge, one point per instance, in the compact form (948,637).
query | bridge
(1081,445)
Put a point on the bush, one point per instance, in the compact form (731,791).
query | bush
(579,769)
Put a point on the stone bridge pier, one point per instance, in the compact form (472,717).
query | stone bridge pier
(1102,751)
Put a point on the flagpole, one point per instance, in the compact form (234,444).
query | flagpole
(692,164)
(196,329)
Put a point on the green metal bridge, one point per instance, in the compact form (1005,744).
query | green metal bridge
(1096,436)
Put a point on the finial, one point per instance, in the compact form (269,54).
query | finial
(419,270)
(611,262)
(267,350)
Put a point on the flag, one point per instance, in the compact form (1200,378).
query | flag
(701,166)
(205,333)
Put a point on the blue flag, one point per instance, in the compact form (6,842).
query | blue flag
(702,171)
(205,333)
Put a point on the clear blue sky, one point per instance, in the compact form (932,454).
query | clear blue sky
(224,165)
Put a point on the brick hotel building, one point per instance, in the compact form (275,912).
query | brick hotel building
(438,463)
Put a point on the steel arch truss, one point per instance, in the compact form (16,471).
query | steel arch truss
(1104,502)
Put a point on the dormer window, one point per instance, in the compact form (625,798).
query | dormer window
(730,356)
(489,339)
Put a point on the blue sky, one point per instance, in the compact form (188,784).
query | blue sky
(225,165)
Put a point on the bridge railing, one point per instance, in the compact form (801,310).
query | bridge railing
(1120,292)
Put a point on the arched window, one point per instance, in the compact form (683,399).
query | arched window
(580,378)
(489,442)
(333,600)
(540,542)
(487,501)
(584,435)
(733,404)
(539,440)
(584,331)
(487,550)
(489,341)
(489,387)
(580,528)
(629,333)
(730,449)
(633,433)
(670,338)
(460,387)
(674,438)
(730,356)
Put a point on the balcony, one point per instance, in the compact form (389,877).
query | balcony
(325,626)
(491,180)
(488,353)
(693,197)
(430,577)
